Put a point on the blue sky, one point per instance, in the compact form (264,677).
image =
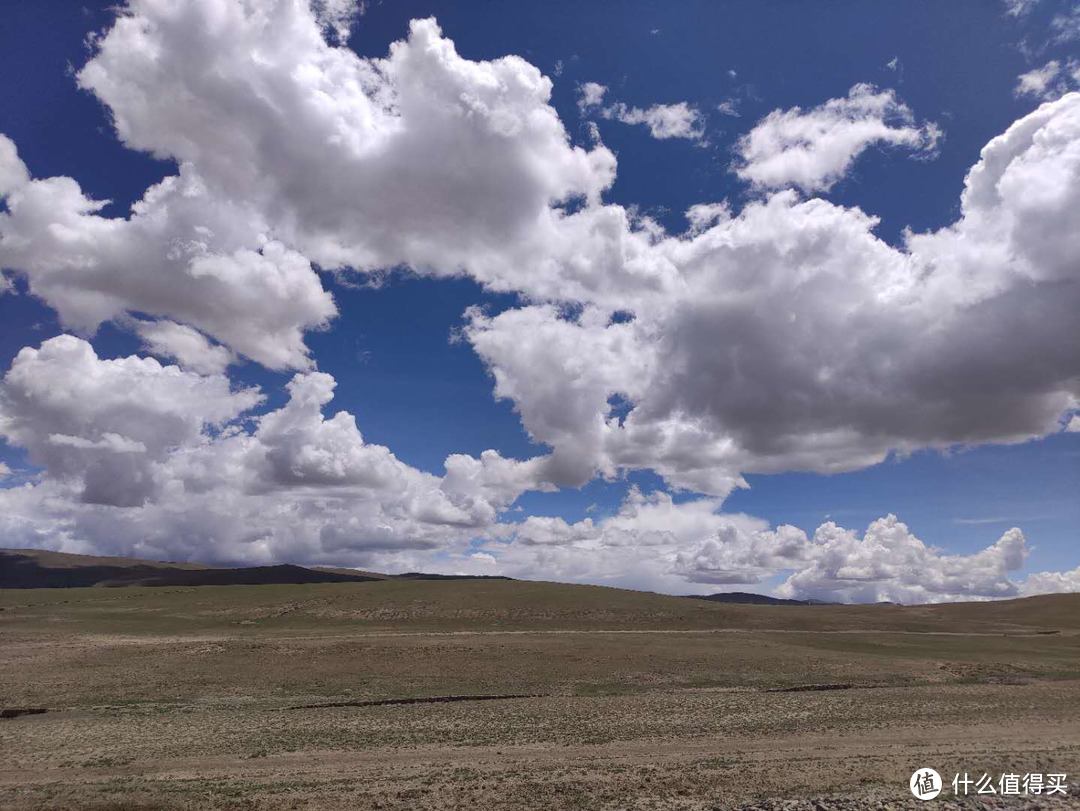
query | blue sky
(419,386)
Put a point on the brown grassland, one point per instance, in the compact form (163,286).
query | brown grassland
(209,697)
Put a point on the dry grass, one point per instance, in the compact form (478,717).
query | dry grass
(178,698)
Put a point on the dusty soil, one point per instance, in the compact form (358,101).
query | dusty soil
(306,697)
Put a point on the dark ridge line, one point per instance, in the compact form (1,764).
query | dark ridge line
(386,702)
(15,712)
(811,688)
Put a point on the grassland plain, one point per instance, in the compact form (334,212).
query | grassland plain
(301,697)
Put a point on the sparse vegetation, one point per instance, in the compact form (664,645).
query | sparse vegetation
(178,697)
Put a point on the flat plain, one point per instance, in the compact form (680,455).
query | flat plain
(519,695)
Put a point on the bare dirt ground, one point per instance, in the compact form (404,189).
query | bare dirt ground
(318,697)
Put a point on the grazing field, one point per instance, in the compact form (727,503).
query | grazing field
(505,695)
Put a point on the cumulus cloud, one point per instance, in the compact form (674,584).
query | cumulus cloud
(180,255)
(655,542)
(105,424)
(813,149)
(890,563)
(423,159)
(782,335)
(639,546)
(196,477)
(788,337)
(1051,583)
(13,172)
(186,345)
(216,481)
(679,120)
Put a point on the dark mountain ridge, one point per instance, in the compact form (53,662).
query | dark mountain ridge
(37,568)
(749,598)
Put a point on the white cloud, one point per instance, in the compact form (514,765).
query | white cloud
(728,107)
(1066,26)
(106,424)
(1018,8)
(590,95)
(806,307)
(13,173)
(664,121)
(654,542)
(142,458)
(679,120)
(813,149)
(180,255)
(638,547)
(782,335)
(890,563)
(788,337)
(337,17)
(297,485)
(423,159)
(187,346)
(1049,82)
(1050,583)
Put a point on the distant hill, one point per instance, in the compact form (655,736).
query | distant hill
(37,568)
(748,598)
(429,576)
(32,568)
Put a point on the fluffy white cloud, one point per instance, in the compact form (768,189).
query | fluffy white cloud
(780,336)
(640,546)
(1051,81)
(679,120)
(150,460)
(422,159)
(106,424)
(1051,582)
(590,95)
(13,172)
(144,458)
(890,563)
(655,542)
(813,149)
(789,337)
(181,255)
(186,345)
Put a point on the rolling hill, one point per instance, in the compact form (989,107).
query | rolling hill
(37,568)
